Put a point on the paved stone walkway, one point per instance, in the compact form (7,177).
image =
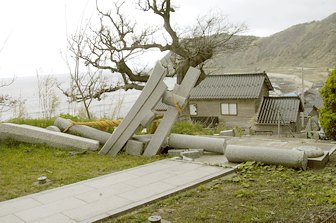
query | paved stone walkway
(104,196)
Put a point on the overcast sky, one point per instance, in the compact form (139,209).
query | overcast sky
(33,33)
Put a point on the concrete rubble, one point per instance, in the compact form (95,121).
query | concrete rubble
(188,147)
(82,130)
(53,128)
(32,134)
(210,144)
(290,158)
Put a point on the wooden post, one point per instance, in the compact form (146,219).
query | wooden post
(302,98)
(278,123)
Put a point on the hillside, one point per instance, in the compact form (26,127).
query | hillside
(309,45)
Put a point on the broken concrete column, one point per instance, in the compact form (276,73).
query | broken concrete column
(53,128)
(209,144)
(82,130)
(172,112)
(290,158)
(169,98)
(135,147)
(32,134)
(149,97)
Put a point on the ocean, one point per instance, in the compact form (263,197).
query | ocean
(113,105)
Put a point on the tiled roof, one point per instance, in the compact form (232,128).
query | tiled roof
(231,86)
(288,107)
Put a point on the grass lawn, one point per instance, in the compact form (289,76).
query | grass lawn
(21,165)
(257,193)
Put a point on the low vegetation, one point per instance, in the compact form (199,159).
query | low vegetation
(257,193)
(21,165)
(191,128)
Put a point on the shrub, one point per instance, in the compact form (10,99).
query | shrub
(328,111)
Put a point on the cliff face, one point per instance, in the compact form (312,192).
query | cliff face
(310,44)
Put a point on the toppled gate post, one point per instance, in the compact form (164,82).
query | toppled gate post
(142,111)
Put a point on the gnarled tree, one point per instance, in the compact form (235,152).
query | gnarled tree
(118,41)
(6,101)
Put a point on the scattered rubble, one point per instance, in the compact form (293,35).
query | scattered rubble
(187,147)
(82,130)
(290,158)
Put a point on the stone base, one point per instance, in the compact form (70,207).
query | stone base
(318,162)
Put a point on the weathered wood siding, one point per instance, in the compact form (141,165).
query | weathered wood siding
(246,110)
(284,129)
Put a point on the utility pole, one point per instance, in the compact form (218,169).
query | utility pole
(278,123)
(302,98)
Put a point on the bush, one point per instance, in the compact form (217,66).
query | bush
(328,111)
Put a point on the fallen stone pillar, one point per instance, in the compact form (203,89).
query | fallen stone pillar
(32,134)
(290,158)
(53,128)
(209,144)
(85,131)
(135,147)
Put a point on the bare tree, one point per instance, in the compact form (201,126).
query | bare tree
(119,40)
(84,86)
(48,99)
(6,101)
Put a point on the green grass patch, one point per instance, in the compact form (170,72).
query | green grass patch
(194,128)
(256,193)
(21,164)
(43,123)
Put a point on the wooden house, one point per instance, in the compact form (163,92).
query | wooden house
(233,99)
(283,111)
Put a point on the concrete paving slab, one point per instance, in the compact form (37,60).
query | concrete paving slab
(57,218)
(10,219)
(51,196)
(107,180)
(33,214)
(101,193)
(13,206)
(99,207)
(150,178)
(98,198)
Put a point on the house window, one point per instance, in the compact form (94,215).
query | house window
(193,109)
(229,109)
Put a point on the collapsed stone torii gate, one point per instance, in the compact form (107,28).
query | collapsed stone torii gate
(142,113)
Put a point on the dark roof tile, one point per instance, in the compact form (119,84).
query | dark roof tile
(288,107)
(231,86)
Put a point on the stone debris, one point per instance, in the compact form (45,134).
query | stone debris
(176,152)
(268,155)
(193,154)
(311,151)
(82,130)
(135,147)
(140,113)
(32,134)
(318,162)
(53,128)
(172,113)
(210,144)
(227,133)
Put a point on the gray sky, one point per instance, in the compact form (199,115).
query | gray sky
(35,31)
